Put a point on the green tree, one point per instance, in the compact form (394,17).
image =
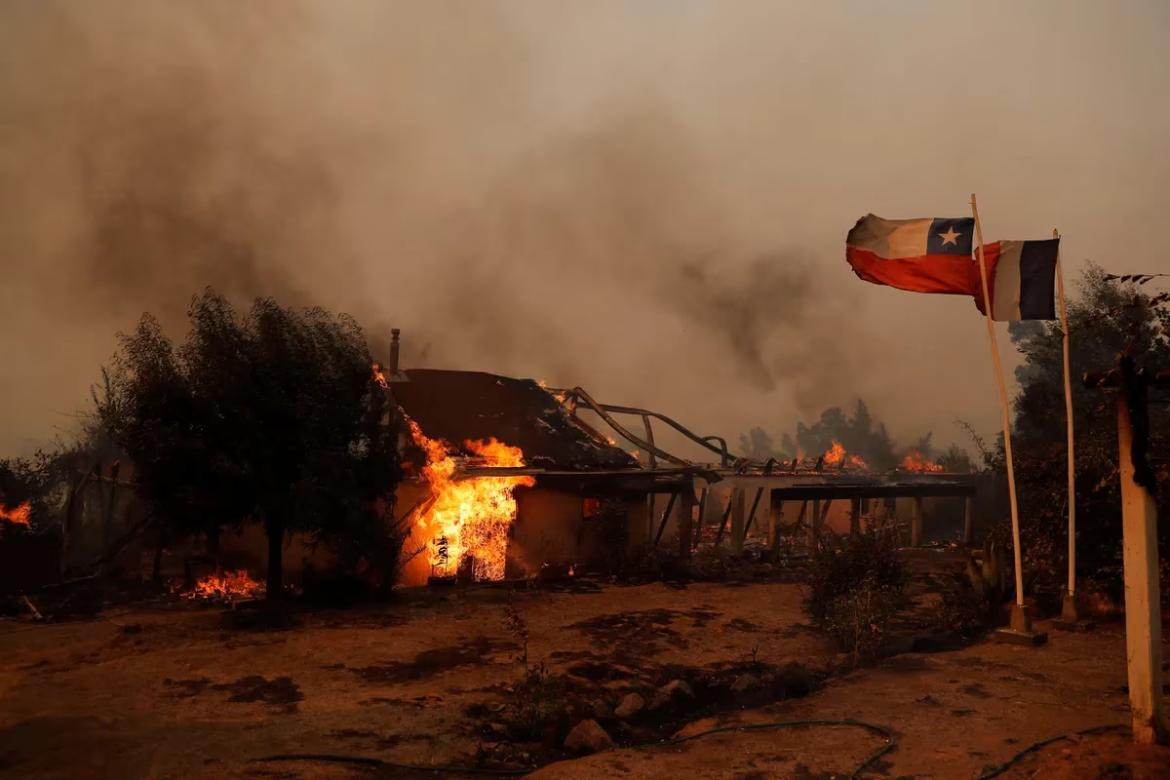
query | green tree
(272,417)
(1106,319)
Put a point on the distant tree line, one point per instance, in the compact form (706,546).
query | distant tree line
(858,433)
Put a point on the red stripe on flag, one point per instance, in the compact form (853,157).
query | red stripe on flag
(946,274)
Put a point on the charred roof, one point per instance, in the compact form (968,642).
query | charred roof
(459,405)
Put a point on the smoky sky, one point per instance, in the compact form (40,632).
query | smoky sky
(645,199)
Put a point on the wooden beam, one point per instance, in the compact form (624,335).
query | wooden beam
(752,515)
(665,517)
(855,517)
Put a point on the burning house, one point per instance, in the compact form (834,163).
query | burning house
(502,480)
(506,477)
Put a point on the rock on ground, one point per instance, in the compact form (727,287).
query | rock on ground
(674,692)
(629,706)
(588,737)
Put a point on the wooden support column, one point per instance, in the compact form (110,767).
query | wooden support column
(686,513)
(1139,522)
(855,517)
(774,517)
(969,521)
(916,523)
(702,514)
(814,526)
(738,515)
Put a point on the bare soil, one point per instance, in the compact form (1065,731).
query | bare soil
(169,691)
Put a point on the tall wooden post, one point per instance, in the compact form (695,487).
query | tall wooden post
(855,517)
(1069,608)
(738,514)
(1139,522)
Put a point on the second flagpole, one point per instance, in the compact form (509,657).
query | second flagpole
(1020,621)
(1069,612)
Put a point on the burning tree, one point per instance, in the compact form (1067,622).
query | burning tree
(272,417)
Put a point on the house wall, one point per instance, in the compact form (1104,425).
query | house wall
(548,529)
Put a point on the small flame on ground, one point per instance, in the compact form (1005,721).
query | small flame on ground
(469,517)
(915,461)
(21,514)
(227,586)
(836,456)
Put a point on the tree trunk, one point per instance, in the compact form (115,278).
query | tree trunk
(275,585)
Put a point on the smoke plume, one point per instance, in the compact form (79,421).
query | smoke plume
(646,199)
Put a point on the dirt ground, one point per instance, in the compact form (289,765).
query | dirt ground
(168,691)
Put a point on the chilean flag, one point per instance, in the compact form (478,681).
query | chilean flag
(920,255)
(1020,278)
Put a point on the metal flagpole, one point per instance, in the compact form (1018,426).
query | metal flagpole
(1019,623)
(1072,467)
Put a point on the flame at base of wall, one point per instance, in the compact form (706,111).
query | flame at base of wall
(468,521)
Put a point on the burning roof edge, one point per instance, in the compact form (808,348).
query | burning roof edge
(461,406)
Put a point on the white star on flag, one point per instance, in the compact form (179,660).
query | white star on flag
(950,237)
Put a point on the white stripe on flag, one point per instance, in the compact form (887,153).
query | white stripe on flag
(888,238)
(908,239)
(1006,295)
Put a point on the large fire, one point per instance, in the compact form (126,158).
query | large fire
(469,518)
(916,461)
(18,515)
(228,586)
(836,456)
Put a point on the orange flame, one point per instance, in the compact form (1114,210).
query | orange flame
(914,461)
(836,456)
(227,587)
(20,515)
(379,375)
(469,517)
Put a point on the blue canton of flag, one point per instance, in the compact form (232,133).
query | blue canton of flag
(950,236)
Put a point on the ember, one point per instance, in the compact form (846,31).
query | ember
(915,461)
(18,515)
(228,586)
(469,518)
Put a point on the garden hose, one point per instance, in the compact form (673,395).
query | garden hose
(881,731)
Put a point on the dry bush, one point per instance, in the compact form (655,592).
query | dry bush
(856,586)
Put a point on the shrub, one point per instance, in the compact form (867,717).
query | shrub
(856,586)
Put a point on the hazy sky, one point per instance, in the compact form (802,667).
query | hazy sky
(648,199)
